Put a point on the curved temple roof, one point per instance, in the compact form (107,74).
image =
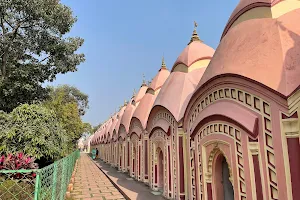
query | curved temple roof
(265,50)
(159,79)
(143,109)
(130,108)
(251,9)
(113,125)
(140,93)
(178,88)
(117,126)
(128,113)
(194,52)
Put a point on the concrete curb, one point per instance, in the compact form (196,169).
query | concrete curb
(114,184)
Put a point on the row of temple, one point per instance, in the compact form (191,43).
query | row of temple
(218,125)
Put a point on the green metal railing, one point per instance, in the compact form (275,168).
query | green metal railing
(48,183)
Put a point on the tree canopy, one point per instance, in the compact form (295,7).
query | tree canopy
(69,104)
(34,49)
(42,122)
(33,129)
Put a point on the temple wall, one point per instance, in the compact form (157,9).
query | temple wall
(261,163)
(261,148)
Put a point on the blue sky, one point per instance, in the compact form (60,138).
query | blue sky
(124,39)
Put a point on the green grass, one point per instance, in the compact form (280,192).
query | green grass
(16,190)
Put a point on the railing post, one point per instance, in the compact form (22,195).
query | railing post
(63,180)
(54,181)
(37,186)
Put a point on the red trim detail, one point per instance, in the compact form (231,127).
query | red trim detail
(133,165)
(181,164)
(259,190)
(170,188)
(124,157)
(252,140)
(155,173)
(209,192)
(223,118)
(139,160)
(293,116)
(294,151)
(146,158)
(128,160)
(196,175)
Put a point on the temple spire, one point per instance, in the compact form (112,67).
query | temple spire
(134,93)
(163,64)
(195,36)
(144,81)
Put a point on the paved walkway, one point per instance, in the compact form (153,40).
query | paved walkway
(91,183)
(134,190)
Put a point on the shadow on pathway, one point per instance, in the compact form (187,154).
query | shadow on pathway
(135,190)
(91,183)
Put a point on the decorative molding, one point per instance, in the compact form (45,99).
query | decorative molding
(233,133)
(254,148)
(254,103)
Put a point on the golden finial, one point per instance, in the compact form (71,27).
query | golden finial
(163,64)
(134,93)
(195,36)
(125,102)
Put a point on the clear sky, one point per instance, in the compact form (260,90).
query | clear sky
(126,38)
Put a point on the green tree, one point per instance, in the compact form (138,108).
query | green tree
(95,128)
(69,94)
(33,129)
(69,104)
(34,49)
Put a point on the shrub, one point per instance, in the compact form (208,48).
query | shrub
(33,129)
(17,162)
(17,185)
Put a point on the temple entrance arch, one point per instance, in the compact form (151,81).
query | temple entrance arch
(223,188)
(160,168)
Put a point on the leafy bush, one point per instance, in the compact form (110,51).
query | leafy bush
(17,162)
(35,130)
(17,185)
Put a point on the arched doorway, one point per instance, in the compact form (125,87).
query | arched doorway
(223,188)
(160,169)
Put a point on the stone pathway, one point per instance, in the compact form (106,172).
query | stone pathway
(133,189)
(91,183)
